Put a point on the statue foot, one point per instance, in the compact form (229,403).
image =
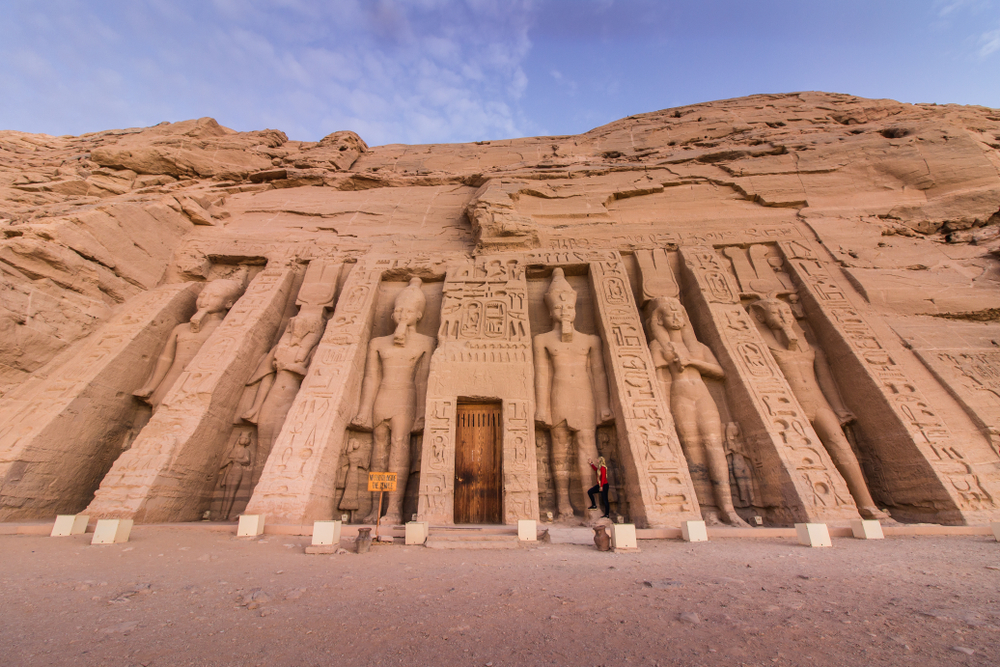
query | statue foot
(370,519)
(734,519)
(711,519)
(566,516)
(876,514)
(391,519)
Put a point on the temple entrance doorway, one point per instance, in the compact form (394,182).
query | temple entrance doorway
(478,463)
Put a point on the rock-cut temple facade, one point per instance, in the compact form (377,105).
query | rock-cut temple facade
(775,309)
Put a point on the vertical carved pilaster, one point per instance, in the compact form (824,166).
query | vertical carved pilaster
(169,474)
(928,472)
(484,352)
(299,479)
(798,479)
(656,474)
(60,439)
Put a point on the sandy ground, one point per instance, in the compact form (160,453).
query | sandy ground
(174,596)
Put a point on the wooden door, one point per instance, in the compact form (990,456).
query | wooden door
(478,464)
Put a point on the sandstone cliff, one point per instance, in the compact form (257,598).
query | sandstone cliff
(906,198)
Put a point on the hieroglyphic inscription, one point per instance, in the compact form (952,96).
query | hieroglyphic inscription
(661,239)
(648,445)
(520,479)
(437,470)
(761,387)
(973,378)
(913,412)
(168,473)
(299,480)
(101,374)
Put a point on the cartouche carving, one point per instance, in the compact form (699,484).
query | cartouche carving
(394,392)
(571,389)
(808,375)
(684,361)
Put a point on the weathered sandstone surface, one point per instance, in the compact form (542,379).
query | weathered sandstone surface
(834,266)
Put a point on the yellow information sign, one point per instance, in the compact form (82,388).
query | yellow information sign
(381,481)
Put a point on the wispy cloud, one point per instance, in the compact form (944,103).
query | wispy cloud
(990,43)
(414,72)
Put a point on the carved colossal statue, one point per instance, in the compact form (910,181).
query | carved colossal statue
(808,375)
(393,394)
(682,362)
(235,473)
(280,375)
(571,390)
(214,301)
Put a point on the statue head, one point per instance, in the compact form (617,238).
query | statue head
(561,300)
(308,320)
(217,296)
(408,309)
(244,439)
(668,312)
(777,316)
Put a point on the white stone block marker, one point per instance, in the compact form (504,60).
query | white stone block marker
(70,524)
(326,533)
(813,534)
(251,525)
(112,531)
(527,530)
(996,530)
(416,532)
(867,529)
(623,536)
(694,531)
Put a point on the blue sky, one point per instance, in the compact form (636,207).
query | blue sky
(430,71)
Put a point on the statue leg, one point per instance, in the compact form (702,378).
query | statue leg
(710,427)
(399,463)
(586,448)
(230,487)
(380,463)
(685,412)
(560,469)
(828,429)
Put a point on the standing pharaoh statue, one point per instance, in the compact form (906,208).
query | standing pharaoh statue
(571,391)
(394,392)
(214,301)
(682,363)
(806,370)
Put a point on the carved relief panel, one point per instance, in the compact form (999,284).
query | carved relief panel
(168,473)
(655,471)
(273,385)
(928,472)
(784,442)
(483,354)
(299,481)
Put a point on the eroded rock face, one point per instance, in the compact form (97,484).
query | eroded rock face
(872,226)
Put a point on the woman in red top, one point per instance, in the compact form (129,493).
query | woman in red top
(602,485)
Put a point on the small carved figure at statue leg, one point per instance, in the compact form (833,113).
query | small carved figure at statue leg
(234,472)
